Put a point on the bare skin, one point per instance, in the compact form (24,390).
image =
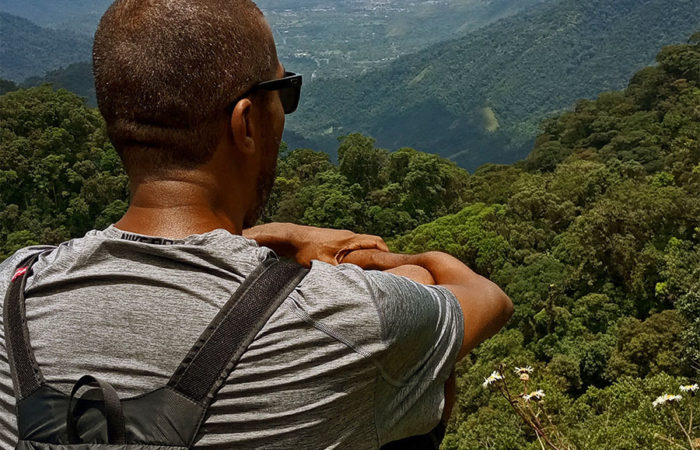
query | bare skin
(224,193)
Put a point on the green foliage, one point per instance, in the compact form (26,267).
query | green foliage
(654,121)
(29,50)
(465,235)
(595,237)
(621,416)
(649,347)
(370,190)
(59,175)
(521,69)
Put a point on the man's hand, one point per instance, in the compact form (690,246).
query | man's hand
(304,243)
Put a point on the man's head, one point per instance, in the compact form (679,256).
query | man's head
(166,72)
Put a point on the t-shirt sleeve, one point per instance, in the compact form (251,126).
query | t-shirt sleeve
(422,329)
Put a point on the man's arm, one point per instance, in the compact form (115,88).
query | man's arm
(413,272)
(485,306)
(482,302)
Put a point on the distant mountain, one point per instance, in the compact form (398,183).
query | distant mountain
(479,98)
(319,37)
(314,37)
(329,38)
(30,50)
(76,77)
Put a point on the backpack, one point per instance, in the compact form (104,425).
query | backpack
(170,416)
(166,418)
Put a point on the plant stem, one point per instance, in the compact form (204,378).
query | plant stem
(678,421)
(540,441)
(670,441)
(541,427)
(520,414)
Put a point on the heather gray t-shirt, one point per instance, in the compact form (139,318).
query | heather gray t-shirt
(351,359)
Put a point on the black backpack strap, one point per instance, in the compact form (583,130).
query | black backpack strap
(25,371)
(217,351)
(111,409)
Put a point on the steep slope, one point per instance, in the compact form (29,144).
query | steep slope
(321,38)
(479,98)
(76,77)
(30,50)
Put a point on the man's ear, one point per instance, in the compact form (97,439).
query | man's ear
(243,127)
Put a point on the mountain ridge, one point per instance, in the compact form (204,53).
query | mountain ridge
(522,68)
(30,50)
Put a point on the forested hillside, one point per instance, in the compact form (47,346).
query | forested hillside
(474,99)
(29,50)
(479,98)
(595,236)
(314,37)
(75,77)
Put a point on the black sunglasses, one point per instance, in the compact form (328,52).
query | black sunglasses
(289,88)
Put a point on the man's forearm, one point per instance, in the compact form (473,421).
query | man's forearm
(372,259)
(444,269)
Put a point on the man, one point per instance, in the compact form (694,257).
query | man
(352,358)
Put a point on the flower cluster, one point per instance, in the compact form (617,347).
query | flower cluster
(495,376)
(529,406)
(690,389)
(666,398)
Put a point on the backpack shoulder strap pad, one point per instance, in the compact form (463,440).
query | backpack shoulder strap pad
(26,375)
(217,351)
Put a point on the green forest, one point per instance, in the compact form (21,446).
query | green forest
(479,97)
(595,236)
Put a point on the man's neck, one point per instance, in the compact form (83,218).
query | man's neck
(174,223)
(176,209)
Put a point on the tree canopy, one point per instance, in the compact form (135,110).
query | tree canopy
(595,236)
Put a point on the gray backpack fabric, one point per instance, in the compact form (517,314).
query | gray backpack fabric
(166,418)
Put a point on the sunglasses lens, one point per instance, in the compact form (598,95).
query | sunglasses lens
(290,98)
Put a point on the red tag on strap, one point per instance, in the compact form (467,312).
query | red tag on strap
(21,271)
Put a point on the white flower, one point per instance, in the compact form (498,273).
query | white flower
(690,388)
(523,370)
(538,395)
(495,376)
(662,399)
(534,396)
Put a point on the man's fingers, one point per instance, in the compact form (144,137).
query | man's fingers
(361,242)
(371,241)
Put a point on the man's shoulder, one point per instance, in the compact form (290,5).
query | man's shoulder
(9,265)
(338,301)
(380,304)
